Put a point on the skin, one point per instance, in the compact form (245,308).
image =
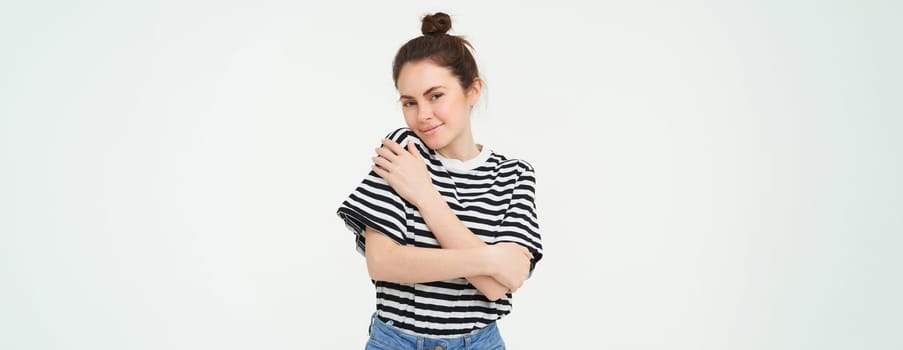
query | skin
(437,108)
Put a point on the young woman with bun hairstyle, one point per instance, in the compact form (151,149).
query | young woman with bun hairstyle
(448,226)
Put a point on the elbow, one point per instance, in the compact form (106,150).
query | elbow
(493,297)
(496,296)
(380,256)
(378,266)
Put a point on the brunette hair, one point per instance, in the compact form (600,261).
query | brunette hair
(450,51)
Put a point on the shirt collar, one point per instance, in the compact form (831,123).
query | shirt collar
(465,165)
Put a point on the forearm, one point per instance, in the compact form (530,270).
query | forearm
(445,225)
(388,261)
(451,233)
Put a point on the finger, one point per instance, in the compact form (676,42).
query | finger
(523,249)
(412,149)
(393,146)
(383,163)
(513,285)
(379,171)
(386,153)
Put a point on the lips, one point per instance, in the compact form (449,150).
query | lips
(431,130)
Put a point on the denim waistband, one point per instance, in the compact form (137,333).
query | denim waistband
(385,333)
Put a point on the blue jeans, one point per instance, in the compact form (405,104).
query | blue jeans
(383,336)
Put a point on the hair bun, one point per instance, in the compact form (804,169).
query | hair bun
(436,24)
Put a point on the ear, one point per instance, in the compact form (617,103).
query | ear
(474,91)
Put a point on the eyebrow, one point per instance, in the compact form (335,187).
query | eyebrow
(427,92)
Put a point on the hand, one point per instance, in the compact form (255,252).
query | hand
(510,263)
(404,170)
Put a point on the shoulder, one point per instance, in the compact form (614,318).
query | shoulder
(508,164)
(402,135)
(517,170)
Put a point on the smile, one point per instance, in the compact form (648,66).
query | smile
(431,130)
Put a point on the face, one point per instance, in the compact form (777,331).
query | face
(436,107)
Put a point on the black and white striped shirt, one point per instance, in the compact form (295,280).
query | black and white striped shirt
(491,194)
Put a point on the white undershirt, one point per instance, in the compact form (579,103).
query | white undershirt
(465,165)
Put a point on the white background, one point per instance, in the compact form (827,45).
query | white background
(711,175)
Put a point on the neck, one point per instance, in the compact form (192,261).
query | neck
(462,148)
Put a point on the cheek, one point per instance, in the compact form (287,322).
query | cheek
(410,117)
(445,109)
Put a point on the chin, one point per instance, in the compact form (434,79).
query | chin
(431,144)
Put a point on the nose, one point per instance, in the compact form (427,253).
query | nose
(424,112)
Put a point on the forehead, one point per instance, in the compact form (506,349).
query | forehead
(416,77)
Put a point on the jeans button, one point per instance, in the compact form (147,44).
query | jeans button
(438,347)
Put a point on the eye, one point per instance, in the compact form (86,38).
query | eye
(406,104)
(436,96)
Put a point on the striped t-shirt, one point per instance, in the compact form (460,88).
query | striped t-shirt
(492,195)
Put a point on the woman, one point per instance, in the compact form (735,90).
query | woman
(448,227)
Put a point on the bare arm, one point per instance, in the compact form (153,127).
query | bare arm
(453,234)
(405,171)
(389,261)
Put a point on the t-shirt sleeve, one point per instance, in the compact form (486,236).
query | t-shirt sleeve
(375,204)
(520,224)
